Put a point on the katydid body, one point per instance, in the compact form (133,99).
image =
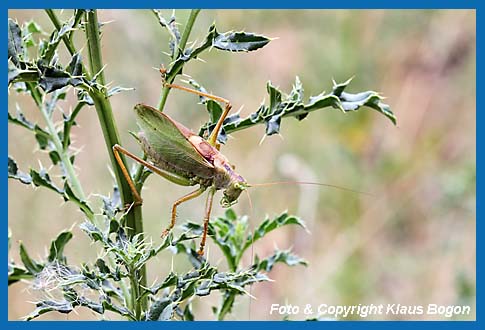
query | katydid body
(176,153)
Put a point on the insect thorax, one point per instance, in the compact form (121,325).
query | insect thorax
(232,183)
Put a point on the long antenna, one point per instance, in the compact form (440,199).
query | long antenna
(252,252)
(308,183)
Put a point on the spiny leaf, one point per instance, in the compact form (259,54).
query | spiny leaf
(279,256)
(226,307)
(70,196)
(230,215)
(229,41)
(215,111)
(200,282)
(13,73)
(53,78)
(42,140)
(214,108)
(118,89)
(43,307)
(103,268)
(15,45)
(157,309)
(111,205)
(240,41)
(72,300)
(203,289)
(56,251)
(172,28)
(29,29)
(167,312)
(220,237)
(47,51)
(15,173)
(230,233)
(94,232)
(16,273)
(75,67)
(170,280)
(188,315)
(282,105)
(54,156)
(33,27)
(269,225)
(32,266)
(42,137)
(83,96)
(121,310)
(21,120)
(42,179)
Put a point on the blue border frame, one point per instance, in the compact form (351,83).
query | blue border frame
(310,4)
(248,4)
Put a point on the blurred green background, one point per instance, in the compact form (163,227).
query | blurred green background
(411,242)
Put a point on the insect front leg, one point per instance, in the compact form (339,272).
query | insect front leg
(227,108)
(208,209)
(181,200)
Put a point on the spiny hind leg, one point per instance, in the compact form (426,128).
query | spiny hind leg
(117,149)
(227,108)
(208,209)
(189,196)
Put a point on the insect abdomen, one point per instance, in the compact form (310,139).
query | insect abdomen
(159,161)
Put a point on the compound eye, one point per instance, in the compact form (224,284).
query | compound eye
(233,166)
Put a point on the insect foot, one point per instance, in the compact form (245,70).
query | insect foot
(165,233)
(163,72)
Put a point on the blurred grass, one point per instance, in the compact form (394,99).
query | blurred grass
(412,242)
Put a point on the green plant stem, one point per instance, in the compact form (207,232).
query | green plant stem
(67,40)
(111,137)
(66,162)
(135,295)
(187,31)
(36,95)
(67,129)
(181,48)
(106,118)
(55,20)
(72,50)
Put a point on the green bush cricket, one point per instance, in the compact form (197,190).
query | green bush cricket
(179,155)
(182,157)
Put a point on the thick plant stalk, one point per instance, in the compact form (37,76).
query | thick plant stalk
(111,137)
(107,121)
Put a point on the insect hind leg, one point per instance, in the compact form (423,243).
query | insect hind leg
(117,149)
(227,108)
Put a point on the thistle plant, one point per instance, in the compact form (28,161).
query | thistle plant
(117,280)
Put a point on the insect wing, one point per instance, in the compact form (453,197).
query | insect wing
(167,139)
